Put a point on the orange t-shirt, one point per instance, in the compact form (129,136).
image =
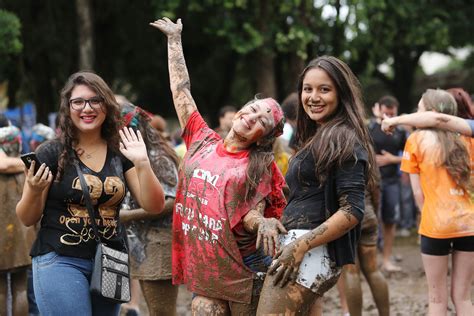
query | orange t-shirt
(448,210)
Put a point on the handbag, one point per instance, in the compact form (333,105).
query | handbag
(111,272)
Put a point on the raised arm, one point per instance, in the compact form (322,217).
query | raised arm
(426,120)
(179,77)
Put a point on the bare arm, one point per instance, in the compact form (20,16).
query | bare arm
(288,260)
(426,120)
(30,207)
(139,213)
(10,165)
(179,77)
(417,192)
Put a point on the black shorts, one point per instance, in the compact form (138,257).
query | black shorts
(442,247)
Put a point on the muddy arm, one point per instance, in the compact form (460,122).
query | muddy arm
(179,77)
(139,213)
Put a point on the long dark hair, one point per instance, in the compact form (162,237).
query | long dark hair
(335,141)
(68,132)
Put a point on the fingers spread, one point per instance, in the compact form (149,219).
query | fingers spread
(139,136)
(276,242)
(259,240)
(294,276)
(286,276)
(265,245)
(133,135)
(282,228)
(273,267)
(279,275)
(271,246)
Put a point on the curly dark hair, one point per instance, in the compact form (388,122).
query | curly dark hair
(68,135)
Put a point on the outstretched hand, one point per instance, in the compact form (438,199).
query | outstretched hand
(286,264)
(132,146)
(268,232)
(167,26)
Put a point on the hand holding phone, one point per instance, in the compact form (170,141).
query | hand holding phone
(28,158)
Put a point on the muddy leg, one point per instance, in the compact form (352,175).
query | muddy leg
(352,289)
(204,306)
(160,297)
(289,300)
(377,282)
(317,308)
(239,309)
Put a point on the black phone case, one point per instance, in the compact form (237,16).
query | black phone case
(28,158)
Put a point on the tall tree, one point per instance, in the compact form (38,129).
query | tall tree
(397,33)
(85,31)
(10,48)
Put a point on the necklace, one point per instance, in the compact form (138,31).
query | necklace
(88,155)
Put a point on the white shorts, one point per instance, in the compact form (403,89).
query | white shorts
(317,271)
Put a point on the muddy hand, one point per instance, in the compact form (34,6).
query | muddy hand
(387,125)
(286,264)
(268,232)
(169,28)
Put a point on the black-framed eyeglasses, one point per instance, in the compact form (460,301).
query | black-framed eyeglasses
(78,104)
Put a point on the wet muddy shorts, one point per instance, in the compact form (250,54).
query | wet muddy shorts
(317,271)
(369,227)
(442,247)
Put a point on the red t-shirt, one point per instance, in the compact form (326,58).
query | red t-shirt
(208,215)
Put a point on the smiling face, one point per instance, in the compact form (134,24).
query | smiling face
(89,119)
(319,95)
(253,121)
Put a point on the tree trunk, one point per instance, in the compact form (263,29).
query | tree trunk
(85,31)
(295,67)
(265,75)
(264,56)
(405,64)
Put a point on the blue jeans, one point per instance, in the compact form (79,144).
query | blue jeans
(61,287)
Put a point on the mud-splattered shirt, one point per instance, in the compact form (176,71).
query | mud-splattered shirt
(208,215)
(65,225)
(310,204)
(448,210)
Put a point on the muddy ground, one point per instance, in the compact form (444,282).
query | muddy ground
(408,290)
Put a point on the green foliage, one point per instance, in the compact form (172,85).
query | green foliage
(222,40)
(10,26)
(10,43)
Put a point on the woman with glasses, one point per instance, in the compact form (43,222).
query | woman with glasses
(112,160)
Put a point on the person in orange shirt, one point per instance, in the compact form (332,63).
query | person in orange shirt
(439,163)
